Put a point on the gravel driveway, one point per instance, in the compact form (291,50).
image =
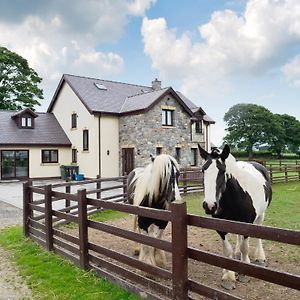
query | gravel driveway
(12,286)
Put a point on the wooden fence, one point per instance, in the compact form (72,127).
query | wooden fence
(41,220)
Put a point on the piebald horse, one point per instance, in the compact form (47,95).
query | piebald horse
(155,186)
(238,191)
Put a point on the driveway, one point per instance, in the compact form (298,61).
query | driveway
(12,192)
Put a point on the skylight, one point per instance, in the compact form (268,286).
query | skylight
(100,86)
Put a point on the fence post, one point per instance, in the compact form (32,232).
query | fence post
(125,197)
(285,173)
(179,251)
(184,178)
(27,196)
(98,187)
(68,191)
(83,228)
(271,174)
(48,217)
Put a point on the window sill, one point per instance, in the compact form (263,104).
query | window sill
(50,164)
(168,126)
(72,129)
(85,151)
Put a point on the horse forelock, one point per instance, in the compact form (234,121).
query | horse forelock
(155,178)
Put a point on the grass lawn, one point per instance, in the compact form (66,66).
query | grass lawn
(283,212)
(51,277)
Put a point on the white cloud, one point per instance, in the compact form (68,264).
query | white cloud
(253,43)
(292,71)
(58,37)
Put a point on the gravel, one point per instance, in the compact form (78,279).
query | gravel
(12,286)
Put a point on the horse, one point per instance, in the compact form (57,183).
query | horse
(154,186)
(237,191)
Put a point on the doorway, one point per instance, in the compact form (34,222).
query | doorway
(127,160)
(14,164)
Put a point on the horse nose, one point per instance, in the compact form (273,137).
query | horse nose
(208,208)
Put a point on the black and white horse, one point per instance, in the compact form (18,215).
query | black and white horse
(238,191)
(154,186)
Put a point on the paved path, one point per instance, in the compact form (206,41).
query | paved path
(12,286)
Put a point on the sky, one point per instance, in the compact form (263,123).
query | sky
(217,52)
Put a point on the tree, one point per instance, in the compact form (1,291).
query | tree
(249,125)
(291,129)
(18,82)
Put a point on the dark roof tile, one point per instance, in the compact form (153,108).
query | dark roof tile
(47,131)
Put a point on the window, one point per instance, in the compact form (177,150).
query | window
(178,154)
(49,156)
(158,150)
(74,155)
(194,157)
(167,117)
(85,140)
(198,127)
(74,120)
(26,122)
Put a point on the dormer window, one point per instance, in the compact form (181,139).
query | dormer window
(25,118)
(26,122)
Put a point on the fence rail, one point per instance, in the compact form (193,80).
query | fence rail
(41,224)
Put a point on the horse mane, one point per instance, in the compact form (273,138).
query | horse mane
(154,179)
(244,172)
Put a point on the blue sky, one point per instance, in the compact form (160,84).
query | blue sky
(217,52)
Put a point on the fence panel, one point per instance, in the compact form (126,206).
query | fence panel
(85,253)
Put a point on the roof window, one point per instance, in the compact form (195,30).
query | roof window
(100,86)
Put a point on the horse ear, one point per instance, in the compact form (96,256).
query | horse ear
(225,152)
(204,154)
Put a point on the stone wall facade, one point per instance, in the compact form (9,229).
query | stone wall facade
(144,132)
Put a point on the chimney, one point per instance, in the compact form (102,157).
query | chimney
(156,84)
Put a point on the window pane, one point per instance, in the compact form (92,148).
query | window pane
(29,123)
(45,156)
(23,122)
(163,117)
(74,155)
(169,117)
(54,156)
(85,140)
(74,121)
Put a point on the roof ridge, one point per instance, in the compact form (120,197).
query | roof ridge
(106,80)
(148,92)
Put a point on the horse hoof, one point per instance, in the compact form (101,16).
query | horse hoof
(243,278)
(238,256)
(262,263)
(228,285)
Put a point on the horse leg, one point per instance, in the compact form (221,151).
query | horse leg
(259,254)
(136,228)
(237,252)
(159,255)
(228,278)
(244,257)
(147,252)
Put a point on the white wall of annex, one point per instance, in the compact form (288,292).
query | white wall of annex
(66,104)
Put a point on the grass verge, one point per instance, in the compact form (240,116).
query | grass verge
(51,277)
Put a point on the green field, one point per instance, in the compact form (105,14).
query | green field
(51,277)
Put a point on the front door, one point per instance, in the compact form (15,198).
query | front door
(14,164)
(127,160)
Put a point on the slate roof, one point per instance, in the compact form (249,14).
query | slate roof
(47,131)
(117,97)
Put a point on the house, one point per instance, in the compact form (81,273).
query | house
(31,145)
(114,126)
